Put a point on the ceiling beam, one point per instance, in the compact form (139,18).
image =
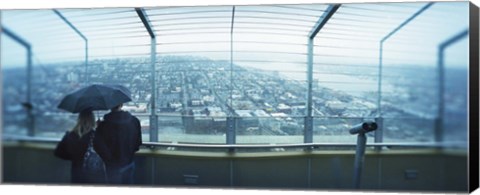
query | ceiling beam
(143,16)
(323,20)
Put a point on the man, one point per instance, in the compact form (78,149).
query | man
(117,138)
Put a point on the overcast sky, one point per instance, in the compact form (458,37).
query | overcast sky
(351,36)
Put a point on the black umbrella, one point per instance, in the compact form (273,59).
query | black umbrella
(95,97)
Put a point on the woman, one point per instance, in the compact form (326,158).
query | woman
(74,144)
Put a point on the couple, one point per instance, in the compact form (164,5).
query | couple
(115,139)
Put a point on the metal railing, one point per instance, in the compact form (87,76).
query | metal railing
(154,145)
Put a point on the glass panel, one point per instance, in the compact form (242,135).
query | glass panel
(144,118)
(336,130)
(259,127)
(59,58)
(51,38)
(198,126)
(193,77)
(412,72)
(57,66)
(192,98)
(50,83)
(54,125)
(119,53)
(404,129)
(14,86)
(348,51)
(257,75)
(269,91)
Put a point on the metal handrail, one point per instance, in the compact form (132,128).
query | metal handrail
(257,146)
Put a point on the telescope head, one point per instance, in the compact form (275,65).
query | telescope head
(364,127)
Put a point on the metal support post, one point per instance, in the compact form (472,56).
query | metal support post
(308,127)
(231,123)
(308,121)
(231,113)
(28,105)
(231,132)
(153,82)
(308,137)
(153,112)
(380,74)
(379,132)
(231,119)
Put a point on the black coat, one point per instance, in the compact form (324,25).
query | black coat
(117,138)
(72,147)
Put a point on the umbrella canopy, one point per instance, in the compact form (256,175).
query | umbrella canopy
(95,97)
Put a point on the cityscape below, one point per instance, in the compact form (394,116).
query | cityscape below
(195,96)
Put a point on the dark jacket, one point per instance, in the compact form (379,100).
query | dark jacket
(73,147)
(117,138)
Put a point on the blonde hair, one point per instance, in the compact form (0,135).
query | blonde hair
(85,123)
